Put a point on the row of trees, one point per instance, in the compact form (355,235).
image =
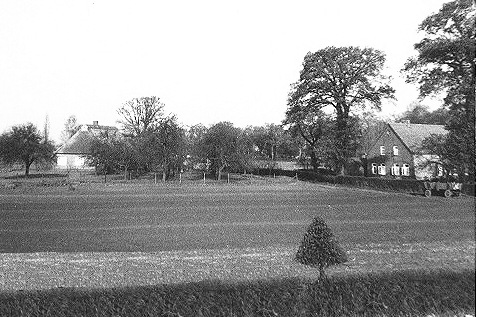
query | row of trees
(153,141)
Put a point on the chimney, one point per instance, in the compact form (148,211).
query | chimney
(95,123)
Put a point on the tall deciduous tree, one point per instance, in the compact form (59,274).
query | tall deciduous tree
(446,64)
(219,146)
(342,78)
(24,144)
(141,115)
(170,146)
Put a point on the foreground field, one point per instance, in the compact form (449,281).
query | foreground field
(106,236)
(227,250)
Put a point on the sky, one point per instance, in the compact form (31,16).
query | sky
(208,61)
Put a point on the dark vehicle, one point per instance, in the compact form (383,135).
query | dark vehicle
(444,188)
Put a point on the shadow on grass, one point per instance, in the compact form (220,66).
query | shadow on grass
(399,293)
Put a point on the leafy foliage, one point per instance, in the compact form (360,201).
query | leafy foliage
(317,130)
(219,147)
(272,141)
(422,115)
(24,144)
(141,115)
(318,248)
(342,78)
(446,64)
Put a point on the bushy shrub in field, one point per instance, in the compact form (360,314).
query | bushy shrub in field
(319,249)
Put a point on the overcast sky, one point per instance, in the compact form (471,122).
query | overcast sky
(208,61)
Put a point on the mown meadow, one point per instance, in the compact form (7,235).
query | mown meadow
(227,250)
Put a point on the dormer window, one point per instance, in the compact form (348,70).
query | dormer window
(382,150)
(395,151)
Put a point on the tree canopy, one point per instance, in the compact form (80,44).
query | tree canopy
(446,64)
(319,248)
(421,114)
(24,144)
(342,78)
(141,115)
(219,146)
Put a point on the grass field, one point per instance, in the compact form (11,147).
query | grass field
(56,229)
(101,236)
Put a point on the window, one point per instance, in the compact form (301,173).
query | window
(381,150)
(395,150)
(382,169)
(440,170)
(395,170)
(374,168)
(405,170)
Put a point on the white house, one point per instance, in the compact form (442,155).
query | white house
(72,154)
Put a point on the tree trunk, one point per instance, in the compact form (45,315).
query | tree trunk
(314,161)
(27,168)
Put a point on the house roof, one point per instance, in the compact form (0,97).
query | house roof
(412,134)
(81,141)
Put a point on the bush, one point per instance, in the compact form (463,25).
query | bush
(319,249)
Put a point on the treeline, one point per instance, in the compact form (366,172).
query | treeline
(152,141)
(324,123)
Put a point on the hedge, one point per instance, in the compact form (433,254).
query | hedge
(400,185)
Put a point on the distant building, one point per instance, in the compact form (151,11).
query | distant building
(72,154)
(398,152)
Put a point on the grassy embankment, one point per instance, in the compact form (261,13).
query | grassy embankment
(405,293)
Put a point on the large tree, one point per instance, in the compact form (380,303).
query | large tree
(219,146)
(141,115)
(24,144)
(342,78)
(445,63)
(170,146)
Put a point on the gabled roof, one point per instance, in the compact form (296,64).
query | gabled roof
(81,141)
(412,134)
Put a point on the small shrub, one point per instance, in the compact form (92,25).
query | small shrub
(319,249)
